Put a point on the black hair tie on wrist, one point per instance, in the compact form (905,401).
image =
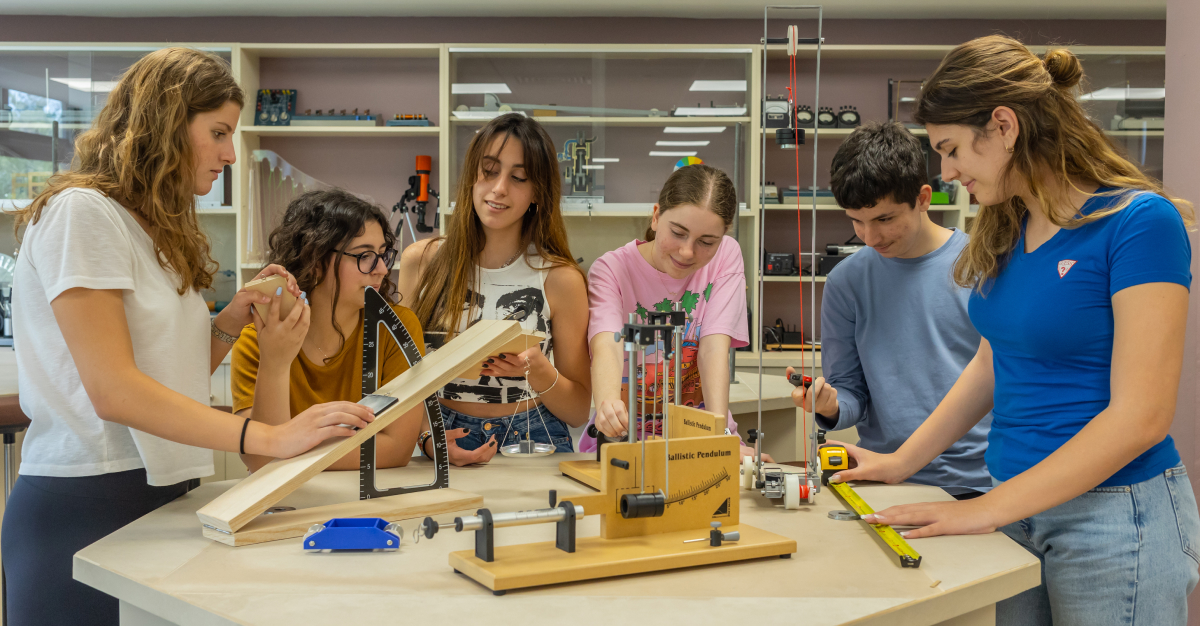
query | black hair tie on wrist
(242,444)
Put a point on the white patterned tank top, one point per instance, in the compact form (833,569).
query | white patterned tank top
(498,294)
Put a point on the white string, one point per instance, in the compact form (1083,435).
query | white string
(527,398)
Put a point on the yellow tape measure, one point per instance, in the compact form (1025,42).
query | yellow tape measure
(908,556)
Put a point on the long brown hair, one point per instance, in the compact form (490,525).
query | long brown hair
(137,152)
(1055,136)
(699,185)
(453,270)
(318,225)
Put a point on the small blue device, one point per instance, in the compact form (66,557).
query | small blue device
(354,533)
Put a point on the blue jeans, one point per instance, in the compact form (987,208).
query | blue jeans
(513,428)
(1114,555)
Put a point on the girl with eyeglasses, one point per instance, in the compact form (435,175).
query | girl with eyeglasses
(336,245)
(504,256)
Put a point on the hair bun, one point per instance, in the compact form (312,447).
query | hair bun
(1064,67)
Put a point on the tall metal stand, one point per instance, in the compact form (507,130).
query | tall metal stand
(792,40)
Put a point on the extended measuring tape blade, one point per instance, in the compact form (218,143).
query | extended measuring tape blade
(908,556)
(376,313)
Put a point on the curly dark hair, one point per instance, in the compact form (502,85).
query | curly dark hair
(317,225)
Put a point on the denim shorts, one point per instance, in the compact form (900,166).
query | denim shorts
(1114,555)
(510,430)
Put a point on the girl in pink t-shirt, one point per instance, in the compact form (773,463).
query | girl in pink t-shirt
(686,258)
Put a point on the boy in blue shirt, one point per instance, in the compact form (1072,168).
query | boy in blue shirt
(895,333)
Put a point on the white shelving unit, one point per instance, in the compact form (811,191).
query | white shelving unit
(247,62)
(603,226)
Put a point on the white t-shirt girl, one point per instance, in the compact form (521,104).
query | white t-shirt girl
(84,239)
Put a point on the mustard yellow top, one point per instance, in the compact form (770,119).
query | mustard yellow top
(311,383)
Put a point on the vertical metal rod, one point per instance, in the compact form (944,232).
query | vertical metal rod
(645,374)
(666,419)
(631,393)
(659,396)
(814,462)
(7,471)
(756,329)
(677,337)
(737,227)
(54,147)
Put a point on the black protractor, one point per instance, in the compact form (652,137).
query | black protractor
(696,491)
(376,314)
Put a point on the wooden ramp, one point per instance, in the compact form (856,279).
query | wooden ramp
(225,516)
(289,524)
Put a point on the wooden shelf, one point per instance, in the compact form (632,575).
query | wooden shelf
(605,213)
(44,126)
(864,51)
(580,120)
(1134,133)
(793,279)
(612,209)
(807,206)
(606,51)
(938,52)
(220,211)
(921,132)
(777,359)
(834,132)
(351,50)
(342,131)
(13,205)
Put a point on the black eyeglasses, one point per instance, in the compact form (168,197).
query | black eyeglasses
(368,259)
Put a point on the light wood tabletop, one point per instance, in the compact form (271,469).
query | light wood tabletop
(165,572)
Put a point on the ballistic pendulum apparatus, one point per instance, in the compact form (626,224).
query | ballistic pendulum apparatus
(646,524)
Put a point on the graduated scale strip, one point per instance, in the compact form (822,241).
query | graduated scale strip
(697,490)
(908,556)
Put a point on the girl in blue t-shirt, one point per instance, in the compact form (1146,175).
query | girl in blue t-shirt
(1081,269)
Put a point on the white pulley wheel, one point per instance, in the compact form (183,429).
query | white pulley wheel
(791,492)
(747,472)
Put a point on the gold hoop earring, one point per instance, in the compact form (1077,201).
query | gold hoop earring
(1010,149)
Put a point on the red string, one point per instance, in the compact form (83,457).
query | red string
(793,90)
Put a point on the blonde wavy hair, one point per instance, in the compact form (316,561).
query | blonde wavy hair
(1056,136)
(137,152)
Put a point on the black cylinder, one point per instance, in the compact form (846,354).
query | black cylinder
(430,527)
(643,505)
